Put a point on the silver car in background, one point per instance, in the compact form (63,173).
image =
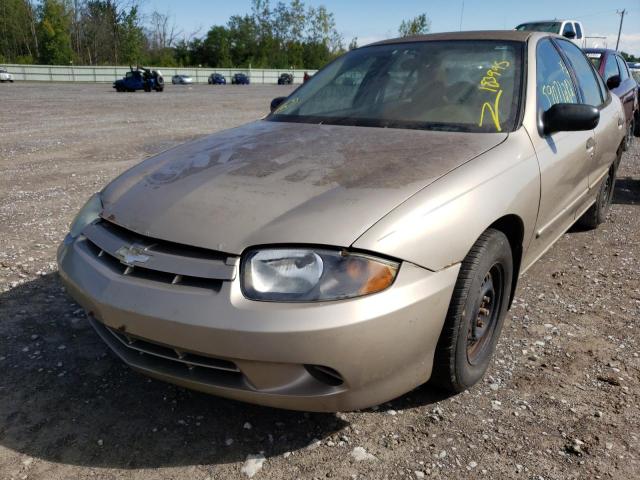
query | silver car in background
(364,237)
(5,76)
(181,80)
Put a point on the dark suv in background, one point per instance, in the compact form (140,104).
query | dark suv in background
(615,72)
(217,79)
(285,79)
(240,79)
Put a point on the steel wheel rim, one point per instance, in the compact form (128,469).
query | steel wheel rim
(485,314)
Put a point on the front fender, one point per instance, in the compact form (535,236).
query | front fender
(437,226)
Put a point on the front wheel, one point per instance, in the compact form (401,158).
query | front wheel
(476,313)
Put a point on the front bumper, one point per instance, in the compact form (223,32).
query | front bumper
(381,345)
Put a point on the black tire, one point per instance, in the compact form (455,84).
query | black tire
(598,211)
(636,130)
(476,313)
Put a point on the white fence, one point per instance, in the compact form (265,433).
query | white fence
(60,73)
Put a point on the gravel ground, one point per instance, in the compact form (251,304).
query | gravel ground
(559,402)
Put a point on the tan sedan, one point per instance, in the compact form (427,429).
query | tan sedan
(364,237)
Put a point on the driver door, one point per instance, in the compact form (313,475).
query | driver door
(564,157)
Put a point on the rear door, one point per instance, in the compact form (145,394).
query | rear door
(626,90)
(607,133)
(564,157)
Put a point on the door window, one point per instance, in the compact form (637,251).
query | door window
(624,71)
(568,29)
(585,73)
(578,31)
(611,67)
(554,83)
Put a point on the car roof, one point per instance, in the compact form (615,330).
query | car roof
(510,35)
(558,20)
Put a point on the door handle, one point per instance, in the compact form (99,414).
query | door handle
(591,143)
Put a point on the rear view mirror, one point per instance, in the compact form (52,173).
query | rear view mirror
(570,117)
(613,82)
(276,102)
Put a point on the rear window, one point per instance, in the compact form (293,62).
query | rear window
(596,59)
(550,27)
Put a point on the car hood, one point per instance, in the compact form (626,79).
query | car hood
(274,182)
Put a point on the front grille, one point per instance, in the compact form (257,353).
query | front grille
(190,360)
(157,260)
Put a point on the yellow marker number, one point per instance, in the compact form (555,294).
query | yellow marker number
(491,83)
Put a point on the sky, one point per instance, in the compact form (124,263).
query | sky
(372,20)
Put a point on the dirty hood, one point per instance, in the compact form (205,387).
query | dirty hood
(273,182)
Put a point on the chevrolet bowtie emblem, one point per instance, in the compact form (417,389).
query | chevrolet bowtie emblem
(129,255)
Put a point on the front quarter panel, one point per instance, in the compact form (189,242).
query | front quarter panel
(438,226)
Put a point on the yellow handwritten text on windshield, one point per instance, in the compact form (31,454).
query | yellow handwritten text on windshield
(491,83)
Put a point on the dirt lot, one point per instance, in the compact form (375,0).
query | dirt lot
(561,400)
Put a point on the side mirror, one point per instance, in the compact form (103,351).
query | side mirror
(570,117)
(613,82)
(570,35)
(276,102)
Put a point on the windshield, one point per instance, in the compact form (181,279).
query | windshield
(551,27)
(445,85)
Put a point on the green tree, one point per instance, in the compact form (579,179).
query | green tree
(216,48)
(415,26)
(130,36)
(55,32)
(18,35)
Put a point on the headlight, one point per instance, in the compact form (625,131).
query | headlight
(303,275)
(87,215)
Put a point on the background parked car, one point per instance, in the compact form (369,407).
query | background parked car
(181,80)
(285,79)
(217,79)
(570,29)
(240,79)
(140,79)
(615,72)
(5,76)
(635,73)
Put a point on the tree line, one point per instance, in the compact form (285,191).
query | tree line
(108,32)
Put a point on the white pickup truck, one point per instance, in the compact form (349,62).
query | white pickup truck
(5,76)
(571,29)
